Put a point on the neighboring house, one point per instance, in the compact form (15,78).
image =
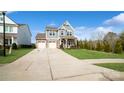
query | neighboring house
(15,33)
(53,37)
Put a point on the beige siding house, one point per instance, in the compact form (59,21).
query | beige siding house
(54,37)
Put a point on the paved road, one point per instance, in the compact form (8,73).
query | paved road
(54,64)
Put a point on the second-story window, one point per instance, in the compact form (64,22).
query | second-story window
(10,29)
(53,33)
(6,29)
(70,33)
(50,33)
(62,33)
(67,33)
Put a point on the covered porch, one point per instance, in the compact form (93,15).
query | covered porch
(68,42)
(9,39)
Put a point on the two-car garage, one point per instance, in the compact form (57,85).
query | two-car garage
(42,42)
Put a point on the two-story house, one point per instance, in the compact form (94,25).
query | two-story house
(15,33)
(56,37)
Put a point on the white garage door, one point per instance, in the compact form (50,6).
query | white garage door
(52,44)
(41,44)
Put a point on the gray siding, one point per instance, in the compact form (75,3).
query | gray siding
(24,35)
(66,33)
(52,34)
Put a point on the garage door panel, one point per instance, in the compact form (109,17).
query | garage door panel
(41,44)
(52,44)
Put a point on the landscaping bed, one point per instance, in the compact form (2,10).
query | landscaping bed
(90,54)
(114,66)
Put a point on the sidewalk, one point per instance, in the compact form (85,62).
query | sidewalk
(95,61)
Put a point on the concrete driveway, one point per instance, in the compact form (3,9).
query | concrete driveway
(54,64)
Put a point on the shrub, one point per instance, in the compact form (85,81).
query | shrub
(122,38)
(33,46)
(98,46)
(106,47)
(1,52)
(118,47)
(25,46)
(7,47)
(79,44)
(14,46)
(0,46)
(90,45)
(85,44)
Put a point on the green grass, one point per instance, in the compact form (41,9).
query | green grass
(15,55)
(89,54)
(114,66)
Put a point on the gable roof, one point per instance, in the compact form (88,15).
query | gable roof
(66,26)
(51,28)
(41,36)
(8,20)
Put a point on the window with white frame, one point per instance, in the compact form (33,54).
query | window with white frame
(8,29)
(67,33)
(53,33)
(50,33)
(61,32)
(70,33)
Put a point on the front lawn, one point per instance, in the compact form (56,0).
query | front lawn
(90,54)
(114,66)
(15,55)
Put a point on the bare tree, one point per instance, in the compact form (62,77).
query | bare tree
(122,39)
(98,35)
(111,38)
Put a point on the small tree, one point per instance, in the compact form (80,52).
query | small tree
(85,44)
(98,46)
(122,39)
(79,44)
(118,47)
(90,45)
(14,46)
(107,47)
(111,38)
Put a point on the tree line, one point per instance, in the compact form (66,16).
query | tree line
(111,42)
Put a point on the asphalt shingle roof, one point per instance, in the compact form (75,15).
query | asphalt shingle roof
(41,36)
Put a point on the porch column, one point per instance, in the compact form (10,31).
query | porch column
(59,42)
(75,42)
(12,39)
(66,43)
